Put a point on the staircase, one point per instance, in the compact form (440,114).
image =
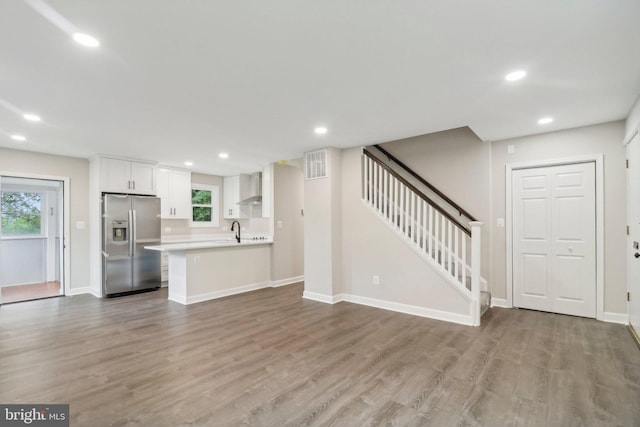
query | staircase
(443,234)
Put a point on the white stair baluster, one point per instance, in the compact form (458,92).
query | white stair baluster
(456,254)
(379,202)
(412,216)
(370,182)
(449,248)
(395,203)
(401,208)
(464,261)
(418,222)
(424,226)
(443,243)
(430,232)
(383,209)
(436,241)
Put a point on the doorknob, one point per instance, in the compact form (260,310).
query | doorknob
(637,255)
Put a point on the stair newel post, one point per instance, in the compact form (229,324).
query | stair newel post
(476,259)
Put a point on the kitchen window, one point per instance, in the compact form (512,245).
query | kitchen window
(205,205)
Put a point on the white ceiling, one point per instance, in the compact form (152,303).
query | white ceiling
(177,80)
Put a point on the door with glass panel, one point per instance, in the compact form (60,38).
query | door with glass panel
(31,243)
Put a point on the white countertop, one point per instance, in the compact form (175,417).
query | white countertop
(206,244)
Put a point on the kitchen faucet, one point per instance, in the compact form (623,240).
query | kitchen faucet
(233,224)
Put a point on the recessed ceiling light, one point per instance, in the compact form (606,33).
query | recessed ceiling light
(545,120)
(223,155)
(188,163)
(320,130)
(86,40)
(18,137)
(515,75)
(31,117)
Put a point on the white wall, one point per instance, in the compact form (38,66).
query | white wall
(632,124)
(77,170)
(598,139)
(322,258)
(23,261)
(287,254)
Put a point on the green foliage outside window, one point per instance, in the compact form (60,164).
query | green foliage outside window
(21,213)
(201,203)
(201,214)
(200,197)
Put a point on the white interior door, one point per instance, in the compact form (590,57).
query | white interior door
(554,239)
(633,220)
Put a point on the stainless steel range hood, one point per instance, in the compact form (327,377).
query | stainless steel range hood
(255,191)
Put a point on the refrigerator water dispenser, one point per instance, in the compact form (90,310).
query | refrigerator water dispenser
(120,228)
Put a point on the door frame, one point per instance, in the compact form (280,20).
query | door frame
(599,166)
(629,249)
(66,195)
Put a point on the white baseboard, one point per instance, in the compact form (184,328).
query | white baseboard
(233,291)
(285,282)
(499,302)
(462,319)
(79,291)
(392,306)
(177,298)
(327,299)
(621,318)
(221,294)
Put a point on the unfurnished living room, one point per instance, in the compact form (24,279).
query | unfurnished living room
(288,212)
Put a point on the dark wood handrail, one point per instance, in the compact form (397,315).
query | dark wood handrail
(418,192)
(425,182)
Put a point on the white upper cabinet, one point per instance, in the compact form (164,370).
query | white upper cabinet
(143,177)
(174,188)
(235,190)
(124,176)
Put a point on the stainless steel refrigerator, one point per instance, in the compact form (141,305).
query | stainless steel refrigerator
(128,224)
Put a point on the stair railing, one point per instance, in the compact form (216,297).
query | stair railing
(454,248)
(441,198)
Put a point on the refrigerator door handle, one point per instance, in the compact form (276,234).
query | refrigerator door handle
(131,231)
(134,240)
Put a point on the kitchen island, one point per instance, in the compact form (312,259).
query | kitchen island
(204,270)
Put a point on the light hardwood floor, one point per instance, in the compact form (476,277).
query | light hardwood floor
(28,292)
(270,358)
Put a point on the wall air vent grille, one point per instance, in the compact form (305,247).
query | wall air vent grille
(316,164)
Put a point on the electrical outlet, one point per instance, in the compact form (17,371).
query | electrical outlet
(376,280)
(500,222)
(167,229)
(196,259)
